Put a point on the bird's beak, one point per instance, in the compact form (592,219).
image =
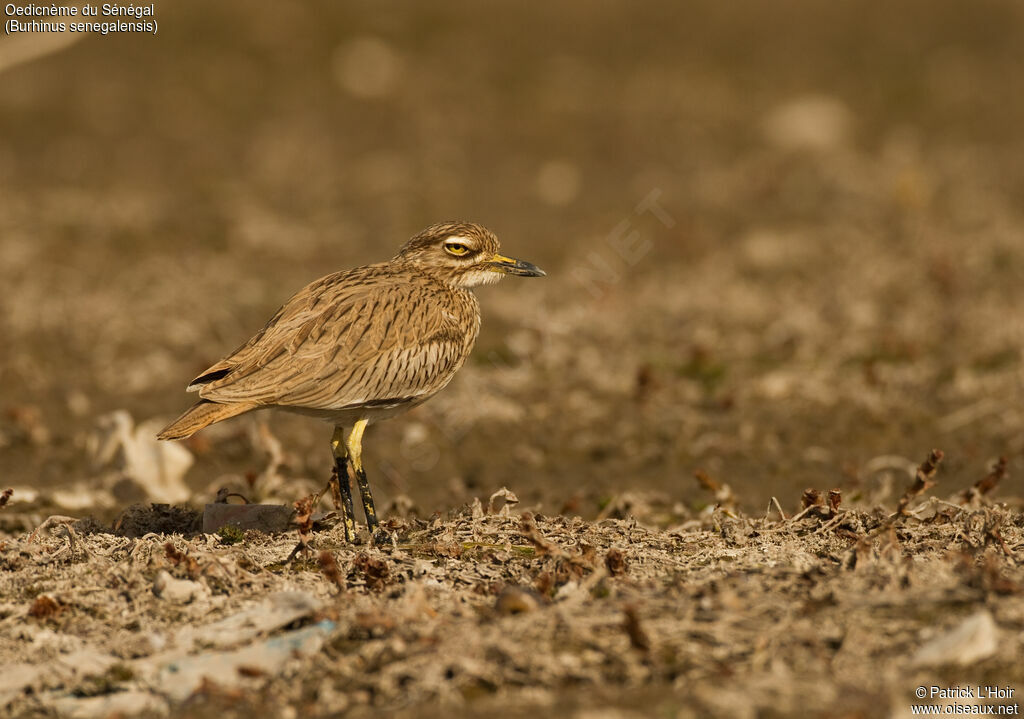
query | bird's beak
(510,266)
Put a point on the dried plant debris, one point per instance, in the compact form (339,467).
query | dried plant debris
(304,523)
(44,607)
(139,520)
(835,498)
(924,480)
(329,566)
(986,484)
(811,498)
(373,571)
(615,562)
(723,494)
(521,610)
(638,638)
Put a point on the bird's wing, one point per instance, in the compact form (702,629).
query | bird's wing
(348,340)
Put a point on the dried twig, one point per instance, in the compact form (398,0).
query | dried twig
(778,508)
(375,570)
(75,542)
(705,481)
(178,558)
(722,492)
(802,513)
(637,636)
(335,485)
(835,498)
(223,494)
(615,562)
(329,567)
(994,534)
(813,503)
(993,580)
(811,498)
(836,520)
(304,520)
(532,533)
(45,607)
(986,484)
(923,481)
(48,524)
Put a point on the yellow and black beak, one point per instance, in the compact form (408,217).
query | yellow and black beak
(510,266)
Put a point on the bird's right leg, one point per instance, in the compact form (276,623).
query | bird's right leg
(348,513)
(378,535)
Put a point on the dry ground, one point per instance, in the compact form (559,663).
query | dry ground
(493,611)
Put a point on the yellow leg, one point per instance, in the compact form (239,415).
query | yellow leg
(355,445)
(355,456)
(348,512)
(338,448)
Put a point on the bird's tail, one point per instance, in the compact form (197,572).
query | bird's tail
(201,414)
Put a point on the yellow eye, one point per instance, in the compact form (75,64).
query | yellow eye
(456,248)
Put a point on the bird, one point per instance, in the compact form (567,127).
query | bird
(359,346)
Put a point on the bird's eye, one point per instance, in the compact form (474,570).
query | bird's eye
(456,248)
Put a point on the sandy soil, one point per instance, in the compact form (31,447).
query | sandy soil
(492,610)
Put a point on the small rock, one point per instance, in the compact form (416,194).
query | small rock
(178,591)
(121,704)
(181,674)
(86,663)
(569,590)
(274,612)
(517,600)
(267,518)
(974,639)
(19,679)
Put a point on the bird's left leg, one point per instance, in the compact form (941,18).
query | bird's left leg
(348,513)
(355,456)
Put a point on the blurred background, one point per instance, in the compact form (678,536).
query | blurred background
(784,243)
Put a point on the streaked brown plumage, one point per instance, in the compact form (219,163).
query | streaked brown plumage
(361,345)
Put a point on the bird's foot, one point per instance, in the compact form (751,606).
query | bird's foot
(382,538)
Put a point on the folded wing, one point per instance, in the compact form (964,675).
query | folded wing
(351,339)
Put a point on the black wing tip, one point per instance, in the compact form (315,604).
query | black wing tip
(207,378)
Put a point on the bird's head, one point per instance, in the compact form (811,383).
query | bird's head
(463,254)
